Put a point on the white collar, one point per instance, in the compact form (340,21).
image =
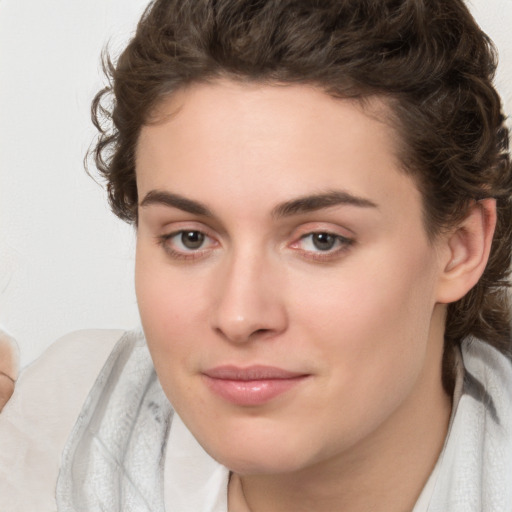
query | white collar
(193,480)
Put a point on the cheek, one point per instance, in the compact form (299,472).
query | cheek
(372,353)
(168,312)
(169,305)
(371,321)
(366,297)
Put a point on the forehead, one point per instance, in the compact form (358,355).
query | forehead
(275,107)
(272,142)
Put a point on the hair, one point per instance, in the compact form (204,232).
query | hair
(427,59)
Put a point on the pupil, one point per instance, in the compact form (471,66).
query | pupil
(192,239)
(323,241)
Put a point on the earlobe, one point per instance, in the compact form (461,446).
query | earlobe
(467,251)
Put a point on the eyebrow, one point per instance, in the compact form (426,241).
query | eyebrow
(295,206)
(315,202)
(160,197)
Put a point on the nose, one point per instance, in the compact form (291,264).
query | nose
(249,303)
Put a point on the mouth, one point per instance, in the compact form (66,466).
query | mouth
(251,386)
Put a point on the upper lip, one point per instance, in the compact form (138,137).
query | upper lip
(255,372)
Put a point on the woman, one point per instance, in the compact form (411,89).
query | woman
(322,197)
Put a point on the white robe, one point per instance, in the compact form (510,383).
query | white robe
(128,451)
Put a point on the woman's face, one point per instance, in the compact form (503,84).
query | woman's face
(285,282)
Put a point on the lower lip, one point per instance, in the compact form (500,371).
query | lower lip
(251,392)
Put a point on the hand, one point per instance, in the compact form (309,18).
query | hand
(9,367)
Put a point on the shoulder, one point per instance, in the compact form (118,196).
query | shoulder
(37,421)
(476,464)
(491,367)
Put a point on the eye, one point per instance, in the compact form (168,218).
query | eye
(191,240)
(320,241)
(322,245)
(187,243)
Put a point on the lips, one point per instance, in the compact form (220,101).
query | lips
(251,386)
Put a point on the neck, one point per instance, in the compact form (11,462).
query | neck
(385,472)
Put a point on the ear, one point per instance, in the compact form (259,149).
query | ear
(466,251)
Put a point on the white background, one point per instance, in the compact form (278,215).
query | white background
(66,262)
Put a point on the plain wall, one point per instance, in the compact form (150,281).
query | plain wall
(66,262)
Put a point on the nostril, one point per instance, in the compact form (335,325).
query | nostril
(242,335)
(259,332)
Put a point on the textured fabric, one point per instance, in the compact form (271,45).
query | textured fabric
(115,456)
(36,422)
(475,470)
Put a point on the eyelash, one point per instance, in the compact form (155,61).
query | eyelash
(342,244)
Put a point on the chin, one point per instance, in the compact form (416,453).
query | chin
(258,463)
(258,452)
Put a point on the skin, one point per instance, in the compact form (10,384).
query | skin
(8,367)
(364,319)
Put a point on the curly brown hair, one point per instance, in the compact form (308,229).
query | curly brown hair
(427,59)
